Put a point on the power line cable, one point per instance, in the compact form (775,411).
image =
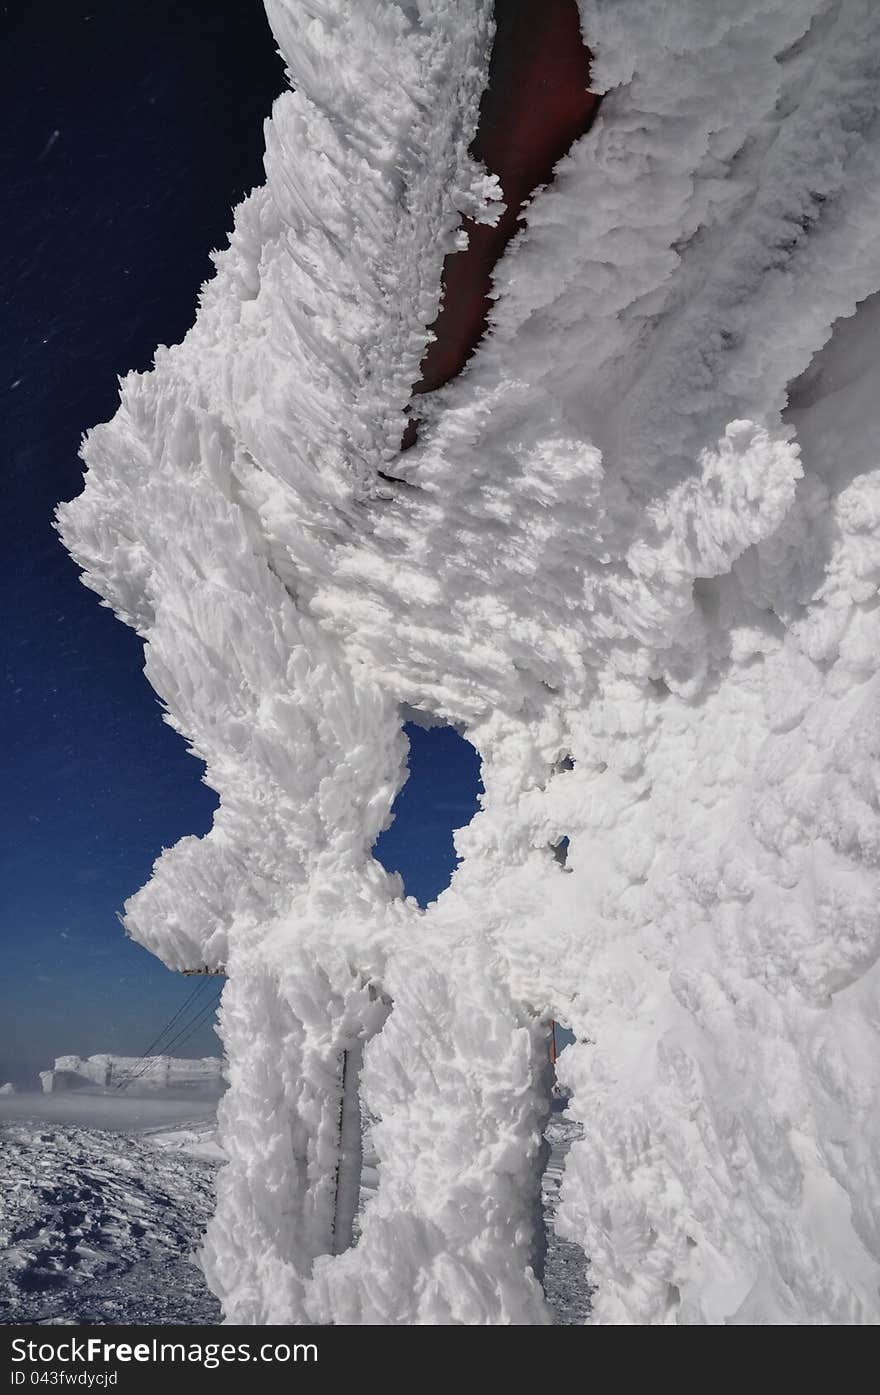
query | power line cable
(185,1031)
(181,1040)
(141,1063)
(190,998)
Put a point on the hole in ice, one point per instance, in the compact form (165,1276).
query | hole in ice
(559,850)
(536,104)
(560,1264)
(357,1177)
(561,1037)
(564,763)
(441,794)
(349,1162)
(369,1175)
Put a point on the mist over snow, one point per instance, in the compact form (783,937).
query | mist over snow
(633,558)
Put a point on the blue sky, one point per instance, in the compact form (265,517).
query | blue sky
(440,795)
(134,130)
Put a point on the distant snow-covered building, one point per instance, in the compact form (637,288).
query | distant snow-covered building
(134,1074)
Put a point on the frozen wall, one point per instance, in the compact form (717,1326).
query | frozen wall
(614,544)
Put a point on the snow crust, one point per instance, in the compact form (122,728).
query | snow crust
(99,1228)
(641,531)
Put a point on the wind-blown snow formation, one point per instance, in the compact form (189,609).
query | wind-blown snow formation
(642,531)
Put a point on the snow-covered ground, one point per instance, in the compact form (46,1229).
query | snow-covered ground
(102,1227)
(566,1276)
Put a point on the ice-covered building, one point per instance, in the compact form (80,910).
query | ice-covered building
(134,1074)
(634,558)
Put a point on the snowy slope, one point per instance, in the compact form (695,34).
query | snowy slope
(614,544)
(99,1228)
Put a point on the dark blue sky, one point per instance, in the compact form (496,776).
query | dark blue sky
(130,132)
(440,795)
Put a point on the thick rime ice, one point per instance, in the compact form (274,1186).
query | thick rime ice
(617,548)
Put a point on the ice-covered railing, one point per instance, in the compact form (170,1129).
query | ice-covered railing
(647,596)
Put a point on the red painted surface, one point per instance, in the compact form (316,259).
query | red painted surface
(534,107)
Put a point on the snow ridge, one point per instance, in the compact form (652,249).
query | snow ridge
(642,531)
